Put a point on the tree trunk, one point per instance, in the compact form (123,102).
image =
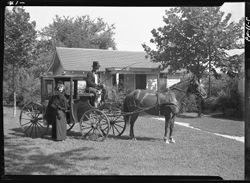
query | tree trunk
(14,104)
(14,91)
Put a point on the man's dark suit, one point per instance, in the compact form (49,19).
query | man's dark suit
(92,87)
(91,80)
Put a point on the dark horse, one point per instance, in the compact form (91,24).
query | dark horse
(166,103)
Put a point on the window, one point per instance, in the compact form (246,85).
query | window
(81,85)
(120,83)
(48,89)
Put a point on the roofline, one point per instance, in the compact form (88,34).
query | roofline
(91,49)
(53,60)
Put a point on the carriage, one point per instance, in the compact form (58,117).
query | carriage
(96,123)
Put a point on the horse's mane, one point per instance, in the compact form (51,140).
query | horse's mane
(180,83)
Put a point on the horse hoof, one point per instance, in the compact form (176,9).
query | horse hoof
(172,140)
(166,141)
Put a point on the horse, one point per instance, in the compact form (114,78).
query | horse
(166,103)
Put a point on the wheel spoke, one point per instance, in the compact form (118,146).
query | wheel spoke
(100,132)
(25,118)
(38,129)
(29,114)
(40,124)
(28,127)
(116,129)
(88,132)
(35,126)
(120,121)
(105,128)
(113,129)
(31,130)
(117,125)
(86,127)
(27,122)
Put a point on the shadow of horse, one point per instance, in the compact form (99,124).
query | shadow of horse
(139,138)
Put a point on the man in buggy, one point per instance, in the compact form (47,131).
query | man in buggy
(93,84)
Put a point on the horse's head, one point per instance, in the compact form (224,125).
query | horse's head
(196,88)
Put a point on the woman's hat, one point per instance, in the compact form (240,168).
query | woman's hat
(96,65)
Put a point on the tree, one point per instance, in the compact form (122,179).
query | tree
(80,32)
(195,39)
(19,41)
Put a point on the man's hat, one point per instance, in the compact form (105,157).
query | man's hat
(96,65)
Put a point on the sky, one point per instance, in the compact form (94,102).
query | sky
(133,24)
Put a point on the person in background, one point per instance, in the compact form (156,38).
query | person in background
(56,113)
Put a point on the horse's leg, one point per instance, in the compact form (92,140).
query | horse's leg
(133,118)
(198,100)
(167,120)
(171,128)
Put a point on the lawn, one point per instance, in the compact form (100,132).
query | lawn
(194,153)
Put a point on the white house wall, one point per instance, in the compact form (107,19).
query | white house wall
(151,82)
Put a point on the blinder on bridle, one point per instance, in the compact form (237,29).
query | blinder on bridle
(196,89)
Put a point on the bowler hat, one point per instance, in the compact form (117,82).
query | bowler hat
(96,64)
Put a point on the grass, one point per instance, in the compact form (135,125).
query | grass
(195,152)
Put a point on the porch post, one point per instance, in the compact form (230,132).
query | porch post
(117,80)
(158,82)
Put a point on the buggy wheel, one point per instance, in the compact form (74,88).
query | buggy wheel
(70,126)
(32,122)
(116,120)
(94,125)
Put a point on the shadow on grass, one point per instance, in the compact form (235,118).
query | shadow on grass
(186,116)
(139,138)
(21,159)
(17,132)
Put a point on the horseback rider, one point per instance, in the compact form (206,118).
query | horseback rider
(93,84)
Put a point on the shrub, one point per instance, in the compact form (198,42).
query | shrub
(210,104)
(189,104)
(230,102)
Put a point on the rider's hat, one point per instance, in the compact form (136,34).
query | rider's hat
(96,65)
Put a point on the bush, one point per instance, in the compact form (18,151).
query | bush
(231,105)
(210,104)
(230,102)
(189,104)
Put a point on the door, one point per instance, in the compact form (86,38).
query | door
(140,81)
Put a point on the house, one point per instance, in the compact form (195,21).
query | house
(128,69)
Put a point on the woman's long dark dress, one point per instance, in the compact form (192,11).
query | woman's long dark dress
(56,116)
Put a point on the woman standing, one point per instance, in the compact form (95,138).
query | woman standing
(56,113)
